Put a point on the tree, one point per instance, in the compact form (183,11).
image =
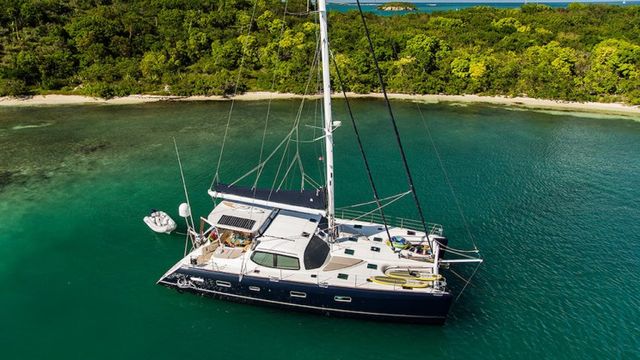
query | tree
(614,67)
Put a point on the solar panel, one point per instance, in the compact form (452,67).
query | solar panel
(237,222)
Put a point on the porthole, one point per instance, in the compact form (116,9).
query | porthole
(223,283)
(346,299)
(298,294)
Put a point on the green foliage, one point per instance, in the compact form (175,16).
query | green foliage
(218,47)
(614,68)
(13,87)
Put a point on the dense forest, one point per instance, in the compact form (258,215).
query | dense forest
(188,47)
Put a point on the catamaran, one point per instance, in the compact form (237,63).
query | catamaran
(292,249)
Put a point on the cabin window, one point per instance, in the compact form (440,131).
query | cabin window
(276,260)
(264,259)
(287,262)
(316,253)
(342,299)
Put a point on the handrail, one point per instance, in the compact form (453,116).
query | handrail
(348,214)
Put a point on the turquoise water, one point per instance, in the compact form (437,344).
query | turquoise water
(553,201)
(430,7)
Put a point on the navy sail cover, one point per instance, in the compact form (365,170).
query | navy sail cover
(313,199)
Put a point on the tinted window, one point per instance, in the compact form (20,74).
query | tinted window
(287,262)
(275,261)
(263,258)
(316,253)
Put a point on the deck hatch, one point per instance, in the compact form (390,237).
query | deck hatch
(237,222)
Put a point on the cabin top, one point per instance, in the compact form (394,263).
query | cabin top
(239,217)
(289,232)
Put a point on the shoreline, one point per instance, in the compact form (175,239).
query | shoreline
(521,102)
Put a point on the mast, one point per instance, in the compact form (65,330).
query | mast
(328,123)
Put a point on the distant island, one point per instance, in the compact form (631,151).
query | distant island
(397,6)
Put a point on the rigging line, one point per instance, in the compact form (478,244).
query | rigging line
(461,254)
(313,183)
(458,250)
(293,162)
(296,123)
(297,156)
(319,155)
(273,85)
(374,189)
(393,122)
(467,282)
(458,275)
(297,133)
(235,92)
(184,184)
(374,201)
(284,154)
(259,166)
(446,177)
(318,149)
(385,205)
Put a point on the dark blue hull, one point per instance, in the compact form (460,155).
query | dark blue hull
(405,306)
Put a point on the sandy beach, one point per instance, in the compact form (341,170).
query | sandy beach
(524,102)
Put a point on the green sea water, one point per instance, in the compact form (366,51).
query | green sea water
(552,200)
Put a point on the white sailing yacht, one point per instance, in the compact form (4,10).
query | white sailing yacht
(291,249)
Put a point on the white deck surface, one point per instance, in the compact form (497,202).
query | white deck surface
(366,242)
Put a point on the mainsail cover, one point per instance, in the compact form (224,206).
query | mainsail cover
(313,199)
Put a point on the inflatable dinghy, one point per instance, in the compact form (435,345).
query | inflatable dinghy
(160,222)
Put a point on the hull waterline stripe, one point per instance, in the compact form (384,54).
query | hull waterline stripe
(308,306)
